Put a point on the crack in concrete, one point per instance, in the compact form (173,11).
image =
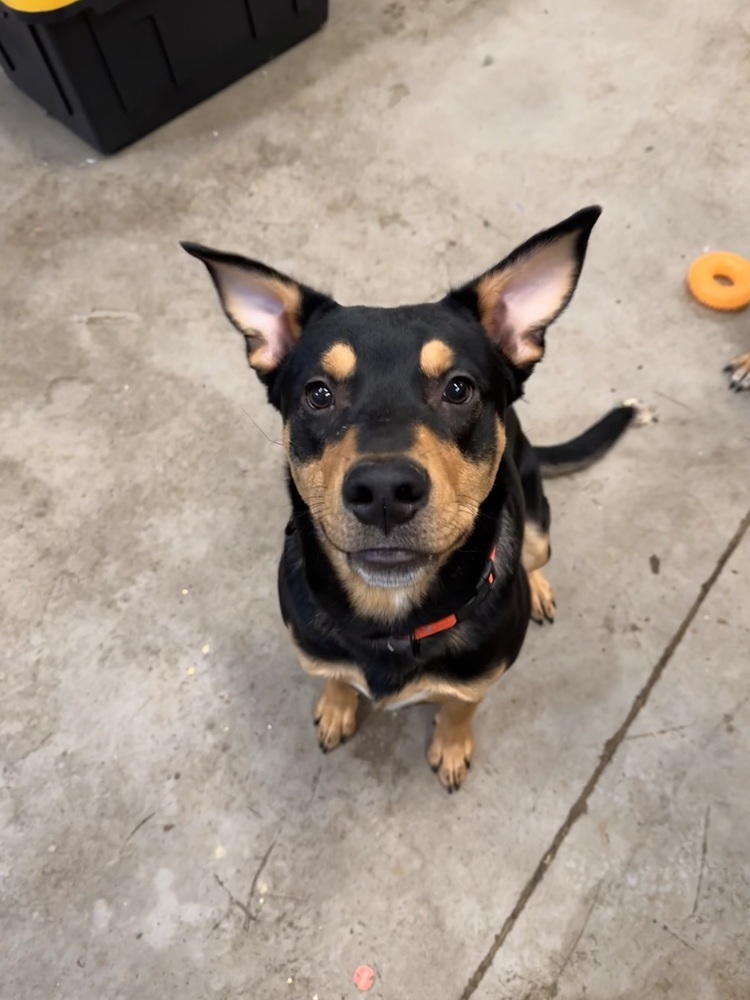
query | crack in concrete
(246,908)
(611,747)
(553,987)
(138,826)
(233,901)
(683,942)
(656,732)
(704,852)
(249,915)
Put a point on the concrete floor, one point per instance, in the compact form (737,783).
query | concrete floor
(155,731)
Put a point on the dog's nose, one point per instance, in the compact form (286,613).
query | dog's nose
(386,493)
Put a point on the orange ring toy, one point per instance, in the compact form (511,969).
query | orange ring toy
(731,293)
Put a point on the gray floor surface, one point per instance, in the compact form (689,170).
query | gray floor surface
(155,730)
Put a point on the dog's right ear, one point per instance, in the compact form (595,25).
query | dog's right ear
(268,308)
(522,295)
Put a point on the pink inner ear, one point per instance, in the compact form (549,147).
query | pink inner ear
(528,296)
(535,295)
(515,342)
(259,306)
(260,314)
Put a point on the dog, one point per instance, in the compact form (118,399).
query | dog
(413,557)
(739,369)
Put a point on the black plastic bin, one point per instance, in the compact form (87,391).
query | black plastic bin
(113,70)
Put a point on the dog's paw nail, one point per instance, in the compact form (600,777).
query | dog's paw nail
(434,768)
(468,763)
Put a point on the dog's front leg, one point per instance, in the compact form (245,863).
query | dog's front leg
(534,555)
(452,746)
(336,714)
(336,710)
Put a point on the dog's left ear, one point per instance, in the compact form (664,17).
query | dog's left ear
(518,298)
(267,307)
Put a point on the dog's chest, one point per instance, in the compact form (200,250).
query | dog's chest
(412,694)
(425,688)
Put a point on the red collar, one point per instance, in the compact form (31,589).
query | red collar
(415,638)
(450,621)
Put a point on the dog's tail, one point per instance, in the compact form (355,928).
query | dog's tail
(587,448)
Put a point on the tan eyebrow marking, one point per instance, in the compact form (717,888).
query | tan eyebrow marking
(436,358)
(340,362)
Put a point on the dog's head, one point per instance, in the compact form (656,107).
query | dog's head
(393,418)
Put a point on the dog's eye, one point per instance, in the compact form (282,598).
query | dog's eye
(458,390)
(319,396)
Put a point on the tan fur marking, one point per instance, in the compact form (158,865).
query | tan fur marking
(340,362)
(258,359)
(535,551)
(336,710)
(431,689)
(336,714)
(459,486)
(320,481)
(435,359)
(542,597)
(378,603)
(425,689)
(452,745)
(347,673)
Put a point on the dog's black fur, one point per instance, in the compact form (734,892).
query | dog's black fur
(315,605)
(383,408)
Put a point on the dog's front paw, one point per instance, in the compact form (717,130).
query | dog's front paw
(336,715)
(542,598)
(740,369)
(452,747)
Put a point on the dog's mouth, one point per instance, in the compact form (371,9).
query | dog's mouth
(389,567)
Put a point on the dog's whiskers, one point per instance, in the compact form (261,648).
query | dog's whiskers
(259,428)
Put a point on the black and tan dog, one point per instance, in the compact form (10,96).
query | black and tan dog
(419,527)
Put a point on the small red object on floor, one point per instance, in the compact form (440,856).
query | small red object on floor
(364,978)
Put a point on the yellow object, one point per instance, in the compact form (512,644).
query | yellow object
(728,295)
(37,6)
